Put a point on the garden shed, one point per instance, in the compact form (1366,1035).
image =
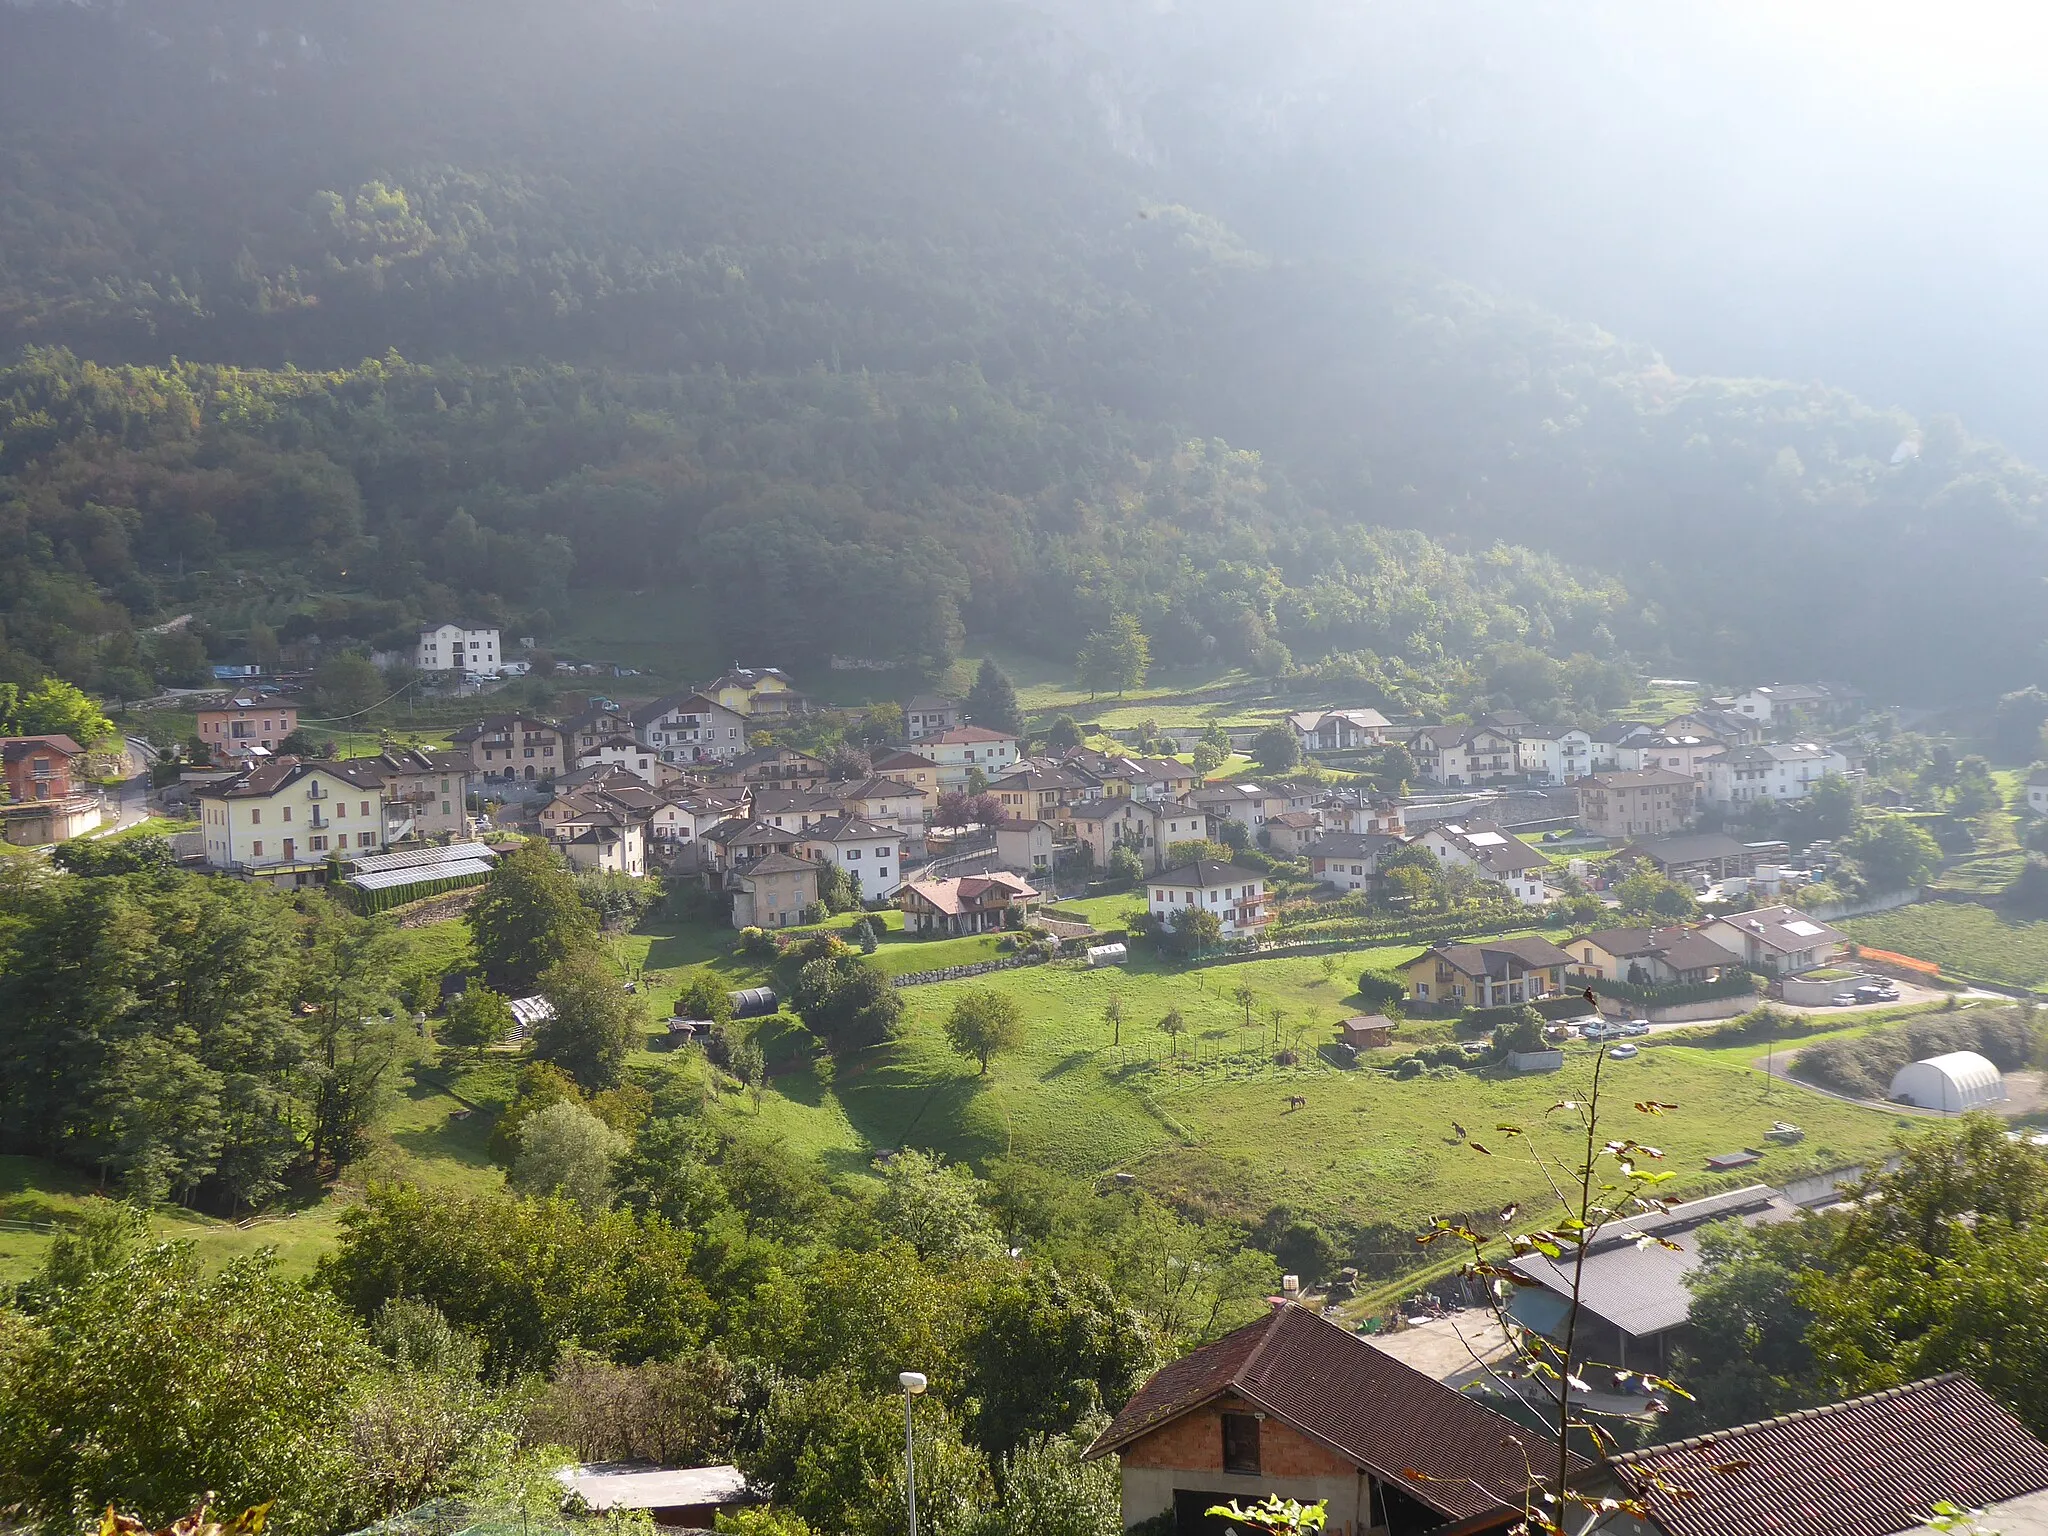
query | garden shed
(1954,1083)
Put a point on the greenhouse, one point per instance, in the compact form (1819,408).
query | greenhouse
(381,881)
(1954,1084)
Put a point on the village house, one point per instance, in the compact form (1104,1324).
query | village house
(1775,771)
(1439,753)
(869,853)
(620,749)
(244,728)
(690,728)
(736,843)
(795,808)
(1680,754)
(1791,704)
(892,802)
(1648,957)
(964,904)
(772,891)
(912,768)
(687,812)
(458,648)
(1349,860)
(1296,1407)
(521,747)
(279,820)
(1160,778)
(1356,813)
(1025,846)
(1036,792)
(44,804)
(1338,730)
(967,749)
(1494,855)
(1148,828)
(930,714)
(1486,973)
(1777,941)
(1249,805)
(1633,803)
(762,694)
(1292,831)
(770,768)
(1609,739)
(1538,756)
(1236,896)
(426,792)
(1729,727)
(603,839)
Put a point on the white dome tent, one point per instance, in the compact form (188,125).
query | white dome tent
(1953,1084)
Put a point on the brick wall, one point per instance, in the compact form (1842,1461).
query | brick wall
(1194,1443)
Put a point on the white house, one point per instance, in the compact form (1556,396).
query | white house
(452,648)
(1494,856)
(970,747)
(1337,730)
(1678,754)
(1349,860)
(1536,754)
(1250,805)
(2037,794)
(1237,896)
(1778,941)
(1776,771)
(690,728)
(866,850)
(279,820)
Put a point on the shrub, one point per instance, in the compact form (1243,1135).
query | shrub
(757,944)
(1863,1066)
(1379,991)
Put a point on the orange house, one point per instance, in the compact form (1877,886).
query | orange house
(241,728)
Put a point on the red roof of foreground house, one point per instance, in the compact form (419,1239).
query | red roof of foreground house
(1361,1403)
(1873,1466)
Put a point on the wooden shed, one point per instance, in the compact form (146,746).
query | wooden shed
(1363,1031)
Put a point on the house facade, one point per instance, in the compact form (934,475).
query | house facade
(965,904)
(930,714)
(44,804)
(245,727)
(426,792)
(1686,754)
(1487,973)
(504,748)
(1633,803)
(280,820)
(456,648)
(773,891)
(1338,730)
(759,693)
(970,749)
(1776,771)
(690,728)
(870,853)
(1349,860)
(1493,854)
(1777,941)
(1236,896)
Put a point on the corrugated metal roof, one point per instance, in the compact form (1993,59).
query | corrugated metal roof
(412,858)
(1873,1466)
(417,874)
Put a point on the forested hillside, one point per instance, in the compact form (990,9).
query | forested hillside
(784,312)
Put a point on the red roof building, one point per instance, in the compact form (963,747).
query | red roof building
(1296,1406)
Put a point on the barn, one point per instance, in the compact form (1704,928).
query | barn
(1954,1084)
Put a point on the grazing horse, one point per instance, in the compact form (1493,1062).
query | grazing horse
(1296,1101)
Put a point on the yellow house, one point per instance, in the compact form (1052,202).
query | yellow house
(280,820)
(764,691)
(1488,973)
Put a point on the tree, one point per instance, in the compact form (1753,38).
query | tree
(1745,1356)
(751,1068)
(127,855)
(1246,999)
(52,708)
(666,1412)
(596,1021)
(985,1024)
(477,1020)
(992,701)
(528,918)
(1064,734)
(159,1379)
(847,1003)
(1975,791)
(1207,759)
(566,1150)
(881,722)
(1173,1026)
(704,997)
(1113,1016)
(1276,749)
(1645,893)
(2016,725)
(935,1208)
(1522,1032)
(1894,854)
(1045,1352)
(1829,809)
(347,684)
(1195,929)
(1380,991)
(1115,658)
(1125,865)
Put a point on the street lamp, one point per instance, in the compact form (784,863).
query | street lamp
(913,1388)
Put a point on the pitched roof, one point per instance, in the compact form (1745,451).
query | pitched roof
(267,778)
(951,896)
(1686,848)
(1872,1466)
(926,703)
(1351,845)
(1361,1403)
(18,747)
(902,760)
(1635,778)
(1785,928)
(1490,957)
(1620,942)
(967,735)
(778,864)
(491,724)
(689,701)
(848,829)
(1039,778)
(1203,873)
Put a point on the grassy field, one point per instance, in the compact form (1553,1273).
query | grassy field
(1966,937)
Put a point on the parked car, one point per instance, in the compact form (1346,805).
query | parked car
(1635,1028)
(1601,1031)
(1475,1049)
(1877,992)
(1623,1052)
(1843,1000)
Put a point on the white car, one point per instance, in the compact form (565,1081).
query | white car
(1623,1052)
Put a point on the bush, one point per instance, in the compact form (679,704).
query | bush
(1379,991)
(757,944)
(1126,866)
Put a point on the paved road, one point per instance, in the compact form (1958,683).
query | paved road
(128,802)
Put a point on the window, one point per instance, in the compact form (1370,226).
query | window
(318,844)
(1241,1443)
(366,807)
(255,816)
(287,813)
(256,849)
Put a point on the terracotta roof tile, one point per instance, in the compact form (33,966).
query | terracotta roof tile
(1872,1466)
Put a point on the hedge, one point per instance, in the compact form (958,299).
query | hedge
(370,902)
(1735,983)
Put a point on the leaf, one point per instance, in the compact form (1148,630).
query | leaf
(1737,1465)
(1652,1107)
(1478,1148)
